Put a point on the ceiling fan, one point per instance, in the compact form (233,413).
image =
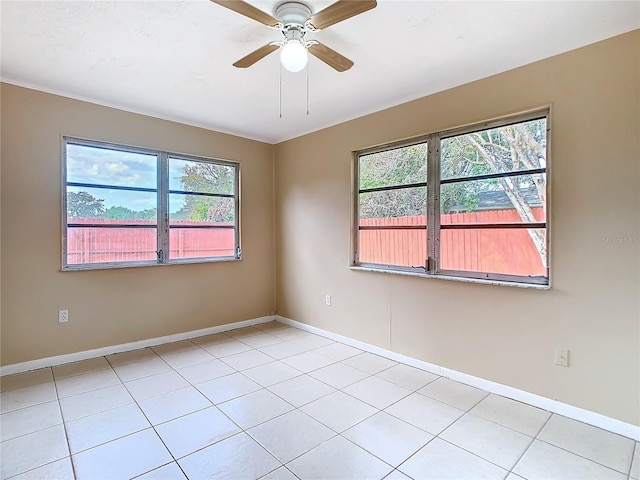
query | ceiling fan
(294,19)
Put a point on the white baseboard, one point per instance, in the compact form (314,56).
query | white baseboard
(125,347)
(554,406)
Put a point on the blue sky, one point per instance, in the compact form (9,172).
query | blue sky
(110,167)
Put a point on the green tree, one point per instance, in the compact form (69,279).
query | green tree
(407,165)
(120,213)
(458,159)
(84,205)
(207,178)
(149,214)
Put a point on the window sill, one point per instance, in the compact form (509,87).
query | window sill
(108,266)
(452,278)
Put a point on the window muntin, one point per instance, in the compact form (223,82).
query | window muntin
(127,206)
(483,211)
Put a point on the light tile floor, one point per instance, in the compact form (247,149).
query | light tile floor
(275,402)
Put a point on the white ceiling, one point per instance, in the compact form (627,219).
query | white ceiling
(172,59)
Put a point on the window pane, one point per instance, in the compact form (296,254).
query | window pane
(494,200)
(202,177)
(399,166)
(201,210)
(521,146)
(389,246)
(112,218)
(406,248)
(102,245)
(102,205)
(111,167)
(514,251)
(404,202)
(201,242)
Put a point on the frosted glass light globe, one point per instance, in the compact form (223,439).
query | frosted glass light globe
(294,56)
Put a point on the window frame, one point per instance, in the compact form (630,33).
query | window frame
(162,192)
(432,269)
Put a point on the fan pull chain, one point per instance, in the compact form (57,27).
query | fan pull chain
(280,99)
(308,89)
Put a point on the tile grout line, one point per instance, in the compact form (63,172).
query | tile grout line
(152,426)
(586,458)
(64,421)
(472,453)
(262,387)
(295,408)
(531,443)
(298,408)
(633,454)
(134,401)
(434,436)
(341,433)
(64,426)
(57,400)
(214,405)
(468,412)
(582,456)
(284,464)
(302,412)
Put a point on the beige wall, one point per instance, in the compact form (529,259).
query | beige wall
(109,307)
(504,334)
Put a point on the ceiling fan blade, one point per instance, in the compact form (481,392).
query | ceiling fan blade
(243,8)
(330,57)
(253,57)
(339,11)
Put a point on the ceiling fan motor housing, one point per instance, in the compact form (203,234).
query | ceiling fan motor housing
(293,14)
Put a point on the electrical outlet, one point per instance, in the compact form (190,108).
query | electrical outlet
(327,300)
(562,356)
(63,316)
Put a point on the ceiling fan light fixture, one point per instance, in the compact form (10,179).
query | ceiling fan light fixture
(293,18)
(294,56)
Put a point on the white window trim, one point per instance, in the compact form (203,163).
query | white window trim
(162,195)
(432,270)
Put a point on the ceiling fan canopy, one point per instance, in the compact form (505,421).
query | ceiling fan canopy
(294,19)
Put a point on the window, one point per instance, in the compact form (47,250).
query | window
(470,202)
(127,206)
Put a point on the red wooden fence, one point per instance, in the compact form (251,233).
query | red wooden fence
(99,245)
(508,251)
